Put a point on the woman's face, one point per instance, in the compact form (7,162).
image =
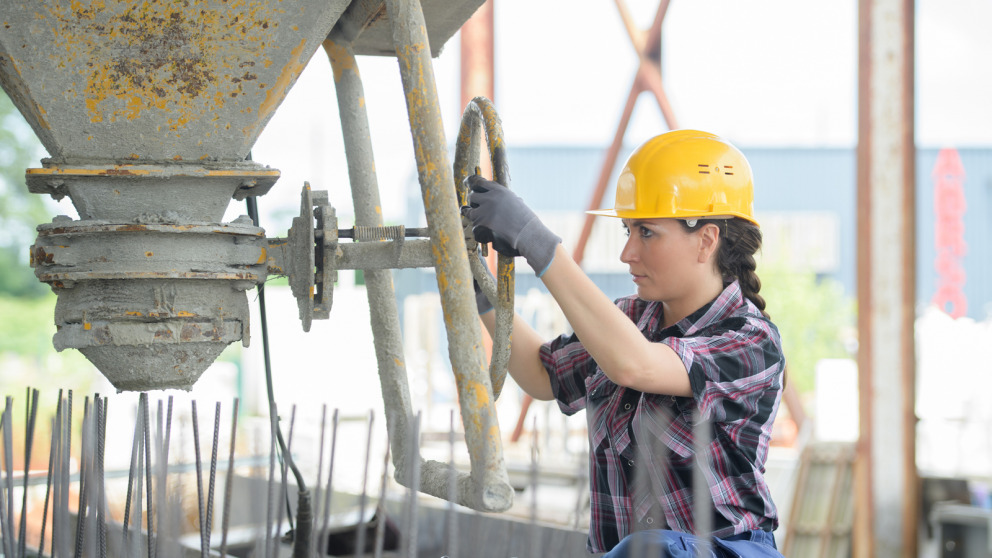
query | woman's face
(664,259)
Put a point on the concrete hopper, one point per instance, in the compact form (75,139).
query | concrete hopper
(148,110)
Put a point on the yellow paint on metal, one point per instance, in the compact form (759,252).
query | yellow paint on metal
(202,57)
(293,68)
(87,326)
(262,256)
(340,58)
(149,254)
(131,170)
(135,314)
(183,314)
(481,393)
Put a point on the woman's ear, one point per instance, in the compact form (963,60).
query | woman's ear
(709,241)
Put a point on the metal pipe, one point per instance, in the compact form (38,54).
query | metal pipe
(368,212)
(886,475)
(487,487)
(480,114)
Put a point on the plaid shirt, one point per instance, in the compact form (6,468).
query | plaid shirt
(642,453)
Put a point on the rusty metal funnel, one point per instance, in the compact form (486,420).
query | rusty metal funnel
(160,81)
(148,110)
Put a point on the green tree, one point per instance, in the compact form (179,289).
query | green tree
(20,210)
(814,316)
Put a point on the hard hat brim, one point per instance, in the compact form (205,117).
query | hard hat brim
(612,212)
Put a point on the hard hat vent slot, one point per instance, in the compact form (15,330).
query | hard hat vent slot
(705,169)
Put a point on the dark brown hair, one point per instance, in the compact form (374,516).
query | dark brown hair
(740,240)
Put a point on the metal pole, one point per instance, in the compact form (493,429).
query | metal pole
(887,480)
(383,310)
(487,487)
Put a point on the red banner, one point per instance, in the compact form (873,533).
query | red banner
(949,208)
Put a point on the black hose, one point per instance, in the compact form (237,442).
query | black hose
(304,519)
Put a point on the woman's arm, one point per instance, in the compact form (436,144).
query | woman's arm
(525,361)
(613,340)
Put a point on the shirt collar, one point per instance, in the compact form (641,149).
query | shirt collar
(720,308)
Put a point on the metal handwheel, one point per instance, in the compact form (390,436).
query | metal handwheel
(479,112)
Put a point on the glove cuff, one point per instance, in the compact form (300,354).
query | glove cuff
(537,244)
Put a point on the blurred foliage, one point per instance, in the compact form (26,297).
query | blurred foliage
(814,316)
(20,210)
(27,357)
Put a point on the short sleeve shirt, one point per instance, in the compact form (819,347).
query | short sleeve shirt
(645,448)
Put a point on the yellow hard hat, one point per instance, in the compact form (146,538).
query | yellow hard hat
(684,174)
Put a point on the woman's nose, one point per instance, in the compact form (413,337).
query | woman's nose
(629,253)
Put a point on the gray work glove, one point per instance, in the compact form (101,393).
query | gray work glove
(501,217)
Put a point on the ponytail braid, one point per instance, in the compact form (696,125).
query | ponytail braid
(740,240)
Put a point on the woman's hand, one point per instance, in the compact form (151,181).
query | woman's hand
(501,217)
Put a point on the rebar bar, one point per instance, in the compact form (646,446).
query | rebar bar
(101,476)
(270,500)
(164,435)
(81,507)
(146,428)
(330,485)
(213,474)
(535,537)
(6,491)
(66,456)
(228,482)
(320,472)
(362,500)
(53,448)
(702,510)
(199,481)
(451,523)
(380,527)
(31,414)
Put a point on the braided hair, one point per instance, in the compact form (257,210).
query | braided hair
(739,241)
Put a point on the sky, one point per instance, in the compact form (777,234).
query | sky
(761,73)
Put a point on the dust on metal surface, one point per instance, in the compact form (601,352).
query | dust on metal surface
(164,81)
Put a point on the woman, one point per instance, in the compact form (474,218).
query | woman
(684,377)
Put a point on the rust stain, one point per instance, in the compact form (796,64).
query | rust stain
(131,228)
(149,254)
(189,332)
(40,256)
(176,58)
(102,335)
(119,172)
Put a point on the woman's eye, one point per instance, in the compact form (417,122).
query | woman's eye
(626,231)
(645,232)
